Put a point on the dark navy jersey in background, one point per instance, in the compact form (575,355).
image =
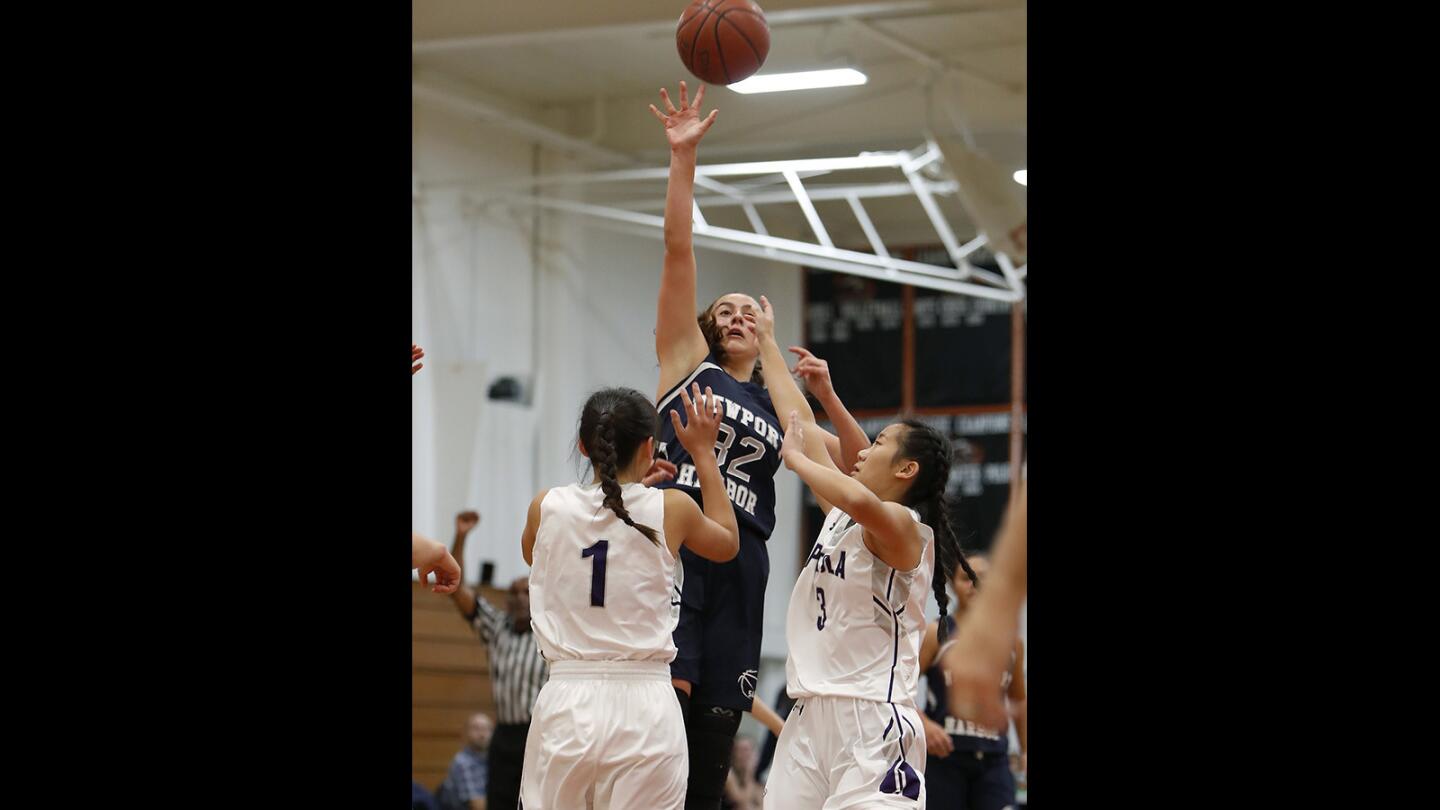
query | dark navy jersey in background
(966,736)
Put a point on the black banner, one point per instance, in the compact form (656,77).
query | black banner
(962,360)
(979,485)
(856,324)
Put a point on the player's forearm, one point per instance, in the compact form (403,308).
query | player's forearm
(1008,571)
(767,716)
(1022,726)
(995,614)
(422,550)
(712,492)
(852,436)
(679,201)
(784,392)
(465,600)
(457,550)
(837,488)
(464,597)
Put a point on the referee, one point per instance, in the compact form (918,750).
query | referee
(516,672)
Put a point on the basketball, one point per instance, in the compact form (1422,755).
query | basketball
(722,41)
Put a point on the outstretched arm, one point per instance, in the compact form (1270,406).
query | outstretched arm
(890,532)
(817,378)
(679,345)
(986,633)
(786,395)
(714,533)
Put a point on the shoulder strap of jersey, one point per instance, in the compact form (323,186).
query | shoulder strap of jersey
(708,362)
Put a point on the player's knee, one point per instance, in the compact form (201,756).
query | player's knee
(711,731)
(718,721)
(712,736)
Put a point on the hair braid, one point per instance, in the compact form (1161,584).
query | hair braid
(602,453)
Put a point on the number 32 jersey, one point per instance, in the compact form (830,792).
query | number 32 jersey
(855,624)
(747,449)
(600,590)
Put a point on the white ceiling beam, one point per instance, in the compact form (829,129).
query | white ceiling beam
(656,225)
(874,160)
(736,194)
(819,262)
(937,219)
(830,192)
(867,226)
(808,207)
(755,222)
(1011,274)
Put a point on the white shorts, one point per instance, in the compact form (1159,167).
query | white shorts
(846,753)
(605,734)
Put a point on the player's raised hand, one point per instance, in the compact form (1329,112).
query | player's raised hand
(702,421)
(683,126)
(814,371)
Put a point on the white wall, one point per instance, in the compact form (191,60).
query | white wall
(471,295)
(474,288)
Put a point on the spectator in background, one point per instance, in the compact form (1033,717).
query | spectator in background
(420,798)
(516,671)
(742,790)
(464,787)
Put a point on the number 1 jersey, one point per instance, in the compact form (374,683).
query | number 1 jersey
(600,590)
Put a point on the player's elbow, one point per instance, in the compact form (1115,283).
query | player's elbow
(732,547)
(863,507)
(728,550)
(677,243)
(718,554)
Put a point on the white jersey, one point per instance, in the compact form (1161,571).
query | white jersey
(855,624)
(600,590)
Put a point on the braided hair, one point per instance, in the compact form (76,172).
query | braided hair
(930,449)
(613,425)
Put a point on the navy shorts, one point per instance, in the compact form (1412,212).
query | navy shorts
(722,616)
(962,781)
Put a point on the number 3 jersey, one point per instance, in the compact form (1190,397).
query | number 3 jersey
(600,590)
(747,449)
(855,624)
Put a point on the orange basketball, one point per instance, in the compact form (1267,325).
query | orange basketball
(722,41)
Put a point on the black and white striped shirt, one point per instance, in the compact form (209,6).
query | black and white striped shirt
(517,671)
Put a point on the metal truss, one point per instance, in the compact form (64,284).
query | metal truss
(963,278)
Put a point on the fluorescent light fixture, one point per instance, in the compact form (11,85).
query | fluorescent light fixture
(1020,177)
(805,80)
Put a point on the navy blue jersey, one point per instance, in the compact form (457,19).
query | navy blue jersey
(747,450)
(965,735)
